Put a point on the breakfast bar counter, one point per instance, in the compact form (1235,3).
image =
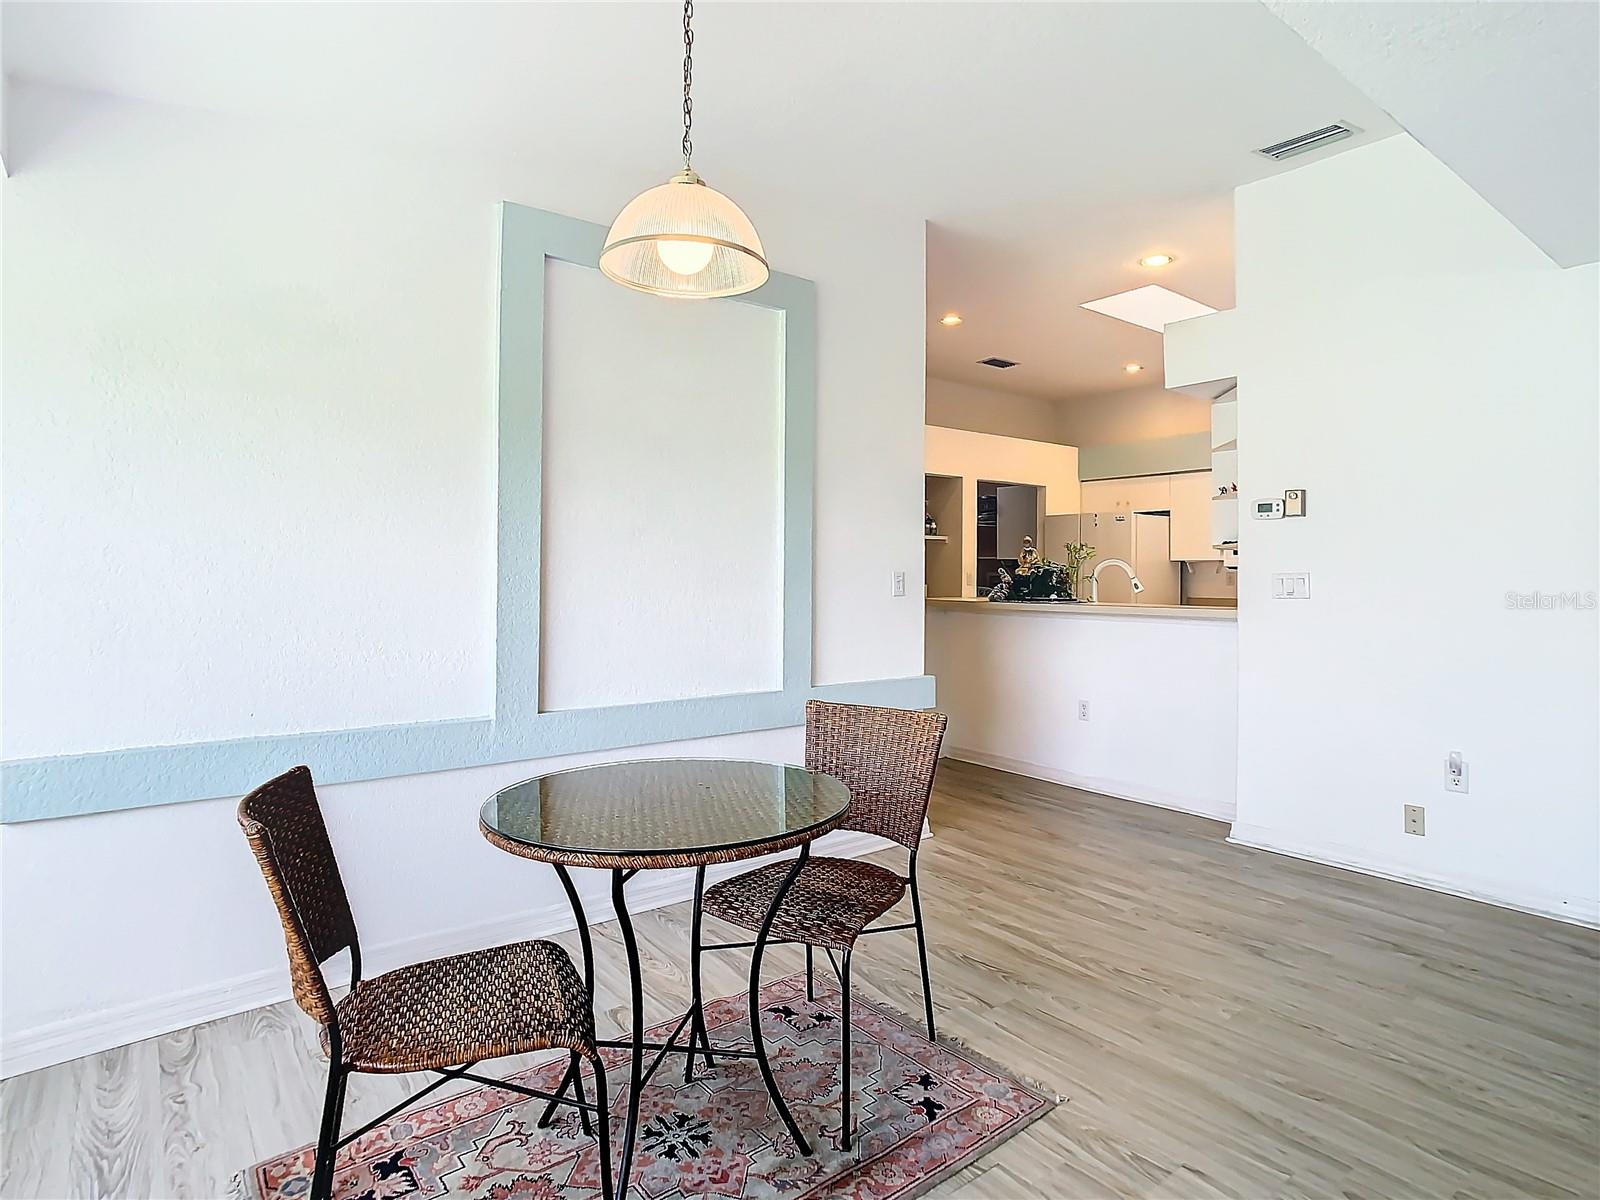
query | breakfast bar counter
(1136,701)
(1069,608)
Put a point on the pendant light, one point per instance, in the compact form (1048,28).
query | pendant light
(681,238)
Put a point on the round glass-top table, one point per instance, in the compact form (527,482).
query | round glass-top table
(656,814)
(673,812)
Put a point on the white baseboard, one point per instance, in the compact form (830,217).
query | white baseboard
(1572,910)
(45,1045)
(1118,789)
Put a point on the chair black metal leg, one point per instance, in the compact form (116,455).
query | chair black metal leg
(328,1138)
(566,1081)
(811,978)
(619,901)
(844,1062)
(602,1097)
(577,1084)
(922,952)
(698,1033)
(755,1003)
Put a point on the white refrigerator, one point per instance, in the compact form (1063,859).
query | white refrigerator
(1142,540)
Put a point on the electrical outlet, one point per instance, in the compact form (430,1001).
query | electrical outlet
(1455,772)
(897,584)
(1083,710)
(1414,820)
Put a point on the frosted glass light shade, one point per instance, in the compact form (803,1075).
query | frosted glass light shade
(685,240)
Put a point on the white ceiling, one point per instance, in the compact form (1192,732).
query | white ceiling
(1047,145)
(1507,95)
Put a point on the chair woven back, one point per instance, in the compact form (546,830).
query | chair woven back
(885,756)
(283,823)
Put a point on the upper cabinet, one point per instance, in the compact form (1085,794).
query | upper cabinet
(1191,518)
(1187,497)
(1098,495)
(1141,493)
(1149,493)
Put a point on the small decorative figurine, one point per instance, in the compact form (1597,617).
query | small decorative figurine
(1001,590)
(929,526)
(1036,578)
(1027,558)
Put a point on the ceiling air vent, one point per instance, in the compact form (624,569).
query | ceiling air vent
(999,364)
(1315,140)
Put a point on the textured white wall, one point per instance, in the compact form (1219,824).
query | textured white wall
(1421,369)
(988,410)
(663,496)
(1134,415)
(1128,415)
(1162,696)
(249,469)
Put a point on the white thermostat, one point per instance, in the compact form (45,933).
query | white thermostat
(1267,510)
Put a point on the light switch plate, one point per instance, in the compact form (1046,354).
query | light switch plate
(1291,585)
(897,583)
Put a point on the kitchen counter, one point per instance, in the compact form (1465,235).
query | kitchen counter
(1178,612)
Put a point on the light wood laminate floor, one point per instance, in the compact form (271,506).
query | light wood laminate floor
(1219,1022)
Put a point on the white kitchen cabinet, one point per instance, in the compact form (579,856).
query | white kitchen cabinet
(1191,518)
(1149,493)
(1187,497)
(1099,495)
(1139,493)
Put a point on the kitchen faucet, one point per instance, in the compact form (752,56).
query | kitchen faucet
(1094,580)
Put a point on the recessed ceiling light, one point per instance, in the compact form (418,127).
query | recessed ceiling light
(1133,368)
(951,319)
(1157,260)
(1149,307)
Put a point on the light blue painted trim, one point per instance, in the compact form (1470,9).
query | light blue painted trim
(36,789)
(74,785)
(914,691)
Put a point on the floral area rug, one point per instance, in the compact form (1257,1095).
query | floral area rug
(921,1110)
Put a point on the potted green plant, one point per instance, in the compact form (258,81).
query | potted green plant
(1077,553)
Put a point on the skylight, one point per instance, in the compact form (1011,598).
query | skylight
(1151,307)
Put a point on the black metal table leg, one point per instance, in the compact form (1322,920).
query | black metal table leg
(571,1077)
(619,901)
(698,1033)
(583,925)
(755,1002)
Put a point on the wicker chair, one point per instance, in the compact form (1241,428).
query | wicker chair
(443,1016)
(887,758)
